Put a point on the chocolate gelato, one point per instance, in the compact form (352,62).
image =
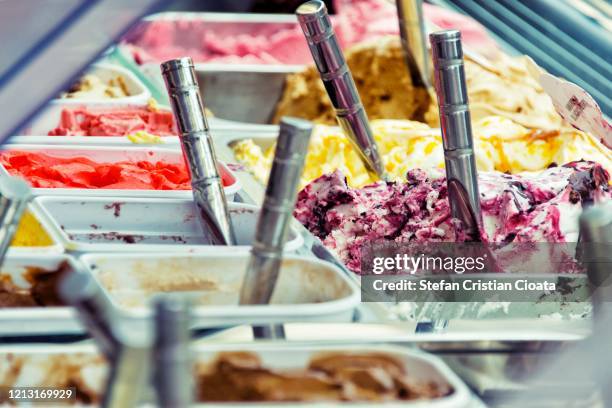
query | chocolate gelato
(241,376)
(42,289)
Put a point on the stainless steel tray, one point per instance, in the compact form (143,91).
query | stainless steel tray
(239,96)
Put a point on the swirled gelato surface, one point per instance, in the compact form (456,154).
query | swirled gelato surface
(502,87)
(88,121)
(500,145)
(91,86)
(528,207)
(47,171)
(359,377)
(281,43)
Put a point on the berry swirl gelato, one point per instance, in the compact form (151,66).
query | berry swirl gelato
(529,207)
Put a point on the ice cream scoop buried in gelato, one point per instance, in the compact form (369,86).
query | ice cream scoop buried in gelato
(500,144)
(530,207)
(47,171)
(83,121)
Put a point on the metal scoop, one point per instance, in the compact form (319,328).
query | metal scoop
(456,127)
(128,359)
(276,210)
(198,149)
(414,43)
(172,375)
(338,81)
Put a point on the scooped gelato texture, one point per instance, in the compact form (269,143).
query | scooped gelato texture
(83,121)
(500,145)
(47,171)
(40,289)
(358,377)
(504,88)
(282,43)
(30,233)
(91,86)
(241,376)
(275,43)
(380,74)
(85,372)
(530,207)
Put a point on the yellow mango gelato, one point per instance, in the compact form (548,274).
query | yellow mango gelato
(500,144)
(30,233)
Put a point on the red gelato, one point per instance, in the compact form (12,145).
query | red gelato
(114,122)
(46,171)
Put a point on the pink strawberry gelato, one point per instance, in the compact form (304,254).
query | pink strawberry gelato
(281,43)
(84,121)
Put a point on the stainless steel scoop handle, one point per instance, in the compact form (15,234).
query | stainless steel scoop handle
(339,84)
(414,43)
(276,211)
(456,127)
(198,150)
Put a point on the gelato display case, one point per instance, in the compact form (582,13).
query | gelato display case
(162,130)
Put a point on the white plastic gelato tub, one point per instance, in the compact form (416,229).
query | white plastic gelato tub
(100,224)
(16,321)
(307,289)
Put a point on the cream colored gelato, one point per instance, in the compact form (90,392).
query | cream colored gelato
(503,88)
(93,87)
(500,144)
(379,71)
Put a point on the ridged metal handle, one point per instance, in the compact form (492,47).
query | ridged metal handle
(173,377)
(276,211)
(198,149)
(338,81)
(15,194)
(414,42)
(456,127)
